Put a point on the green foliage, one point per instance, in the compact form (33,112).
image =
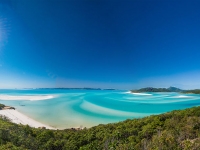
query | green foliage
(170,89)
(2,106)
(151,89)
(196,91)
(177,130)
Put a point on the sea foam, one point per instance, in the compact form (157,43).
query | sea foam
(140,93)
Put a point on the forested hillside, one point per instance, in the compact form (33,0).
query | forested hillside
(176,130)
(170,89)
(152,89)
(196,91)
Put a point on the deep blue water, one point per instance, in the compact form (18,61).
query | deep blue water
(75,108)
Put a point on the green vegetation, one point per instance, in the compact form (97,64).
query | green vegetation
(196,91)
(177,130)
(170,89)
(2,106)
(151,89)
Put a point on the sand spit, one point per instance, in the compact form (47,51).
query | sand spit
(26,97)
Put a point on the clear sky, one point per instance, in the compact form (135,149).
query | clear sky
(99,43)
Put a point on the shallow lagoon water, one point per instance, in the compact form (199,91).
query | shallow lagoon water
(64,108)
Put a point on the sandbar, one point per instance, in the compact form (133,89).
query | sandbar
(26,97)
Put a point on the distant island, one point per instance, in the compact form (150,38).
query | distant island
(170,89)
(195,91)
(84,88)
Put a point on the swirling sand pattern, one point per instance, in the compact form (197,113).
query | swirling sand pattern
(74,108)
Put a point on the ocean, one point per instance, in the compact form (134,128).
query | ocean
(67,108)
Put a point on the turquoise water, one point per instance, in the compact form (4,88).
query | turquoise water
(86,108)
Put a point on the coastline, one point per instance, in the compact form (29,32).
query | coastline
(19,118)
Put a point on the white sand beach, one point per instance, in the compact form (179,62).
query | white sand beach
(19,118)
(26,97)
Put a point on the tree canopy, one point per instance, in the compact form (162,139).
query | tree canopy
(177,130)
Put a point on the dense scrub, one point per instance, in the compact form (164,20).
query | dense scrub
(2,106)
(176,130)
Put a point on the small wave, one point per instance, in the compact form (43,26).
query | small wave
(182,96)
(26,97)
(129,92)
(140,93)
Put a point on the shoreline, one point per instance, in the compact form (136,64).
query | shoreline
(19,118)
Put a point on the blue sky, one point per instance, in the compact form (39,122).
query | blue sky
(106,44)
